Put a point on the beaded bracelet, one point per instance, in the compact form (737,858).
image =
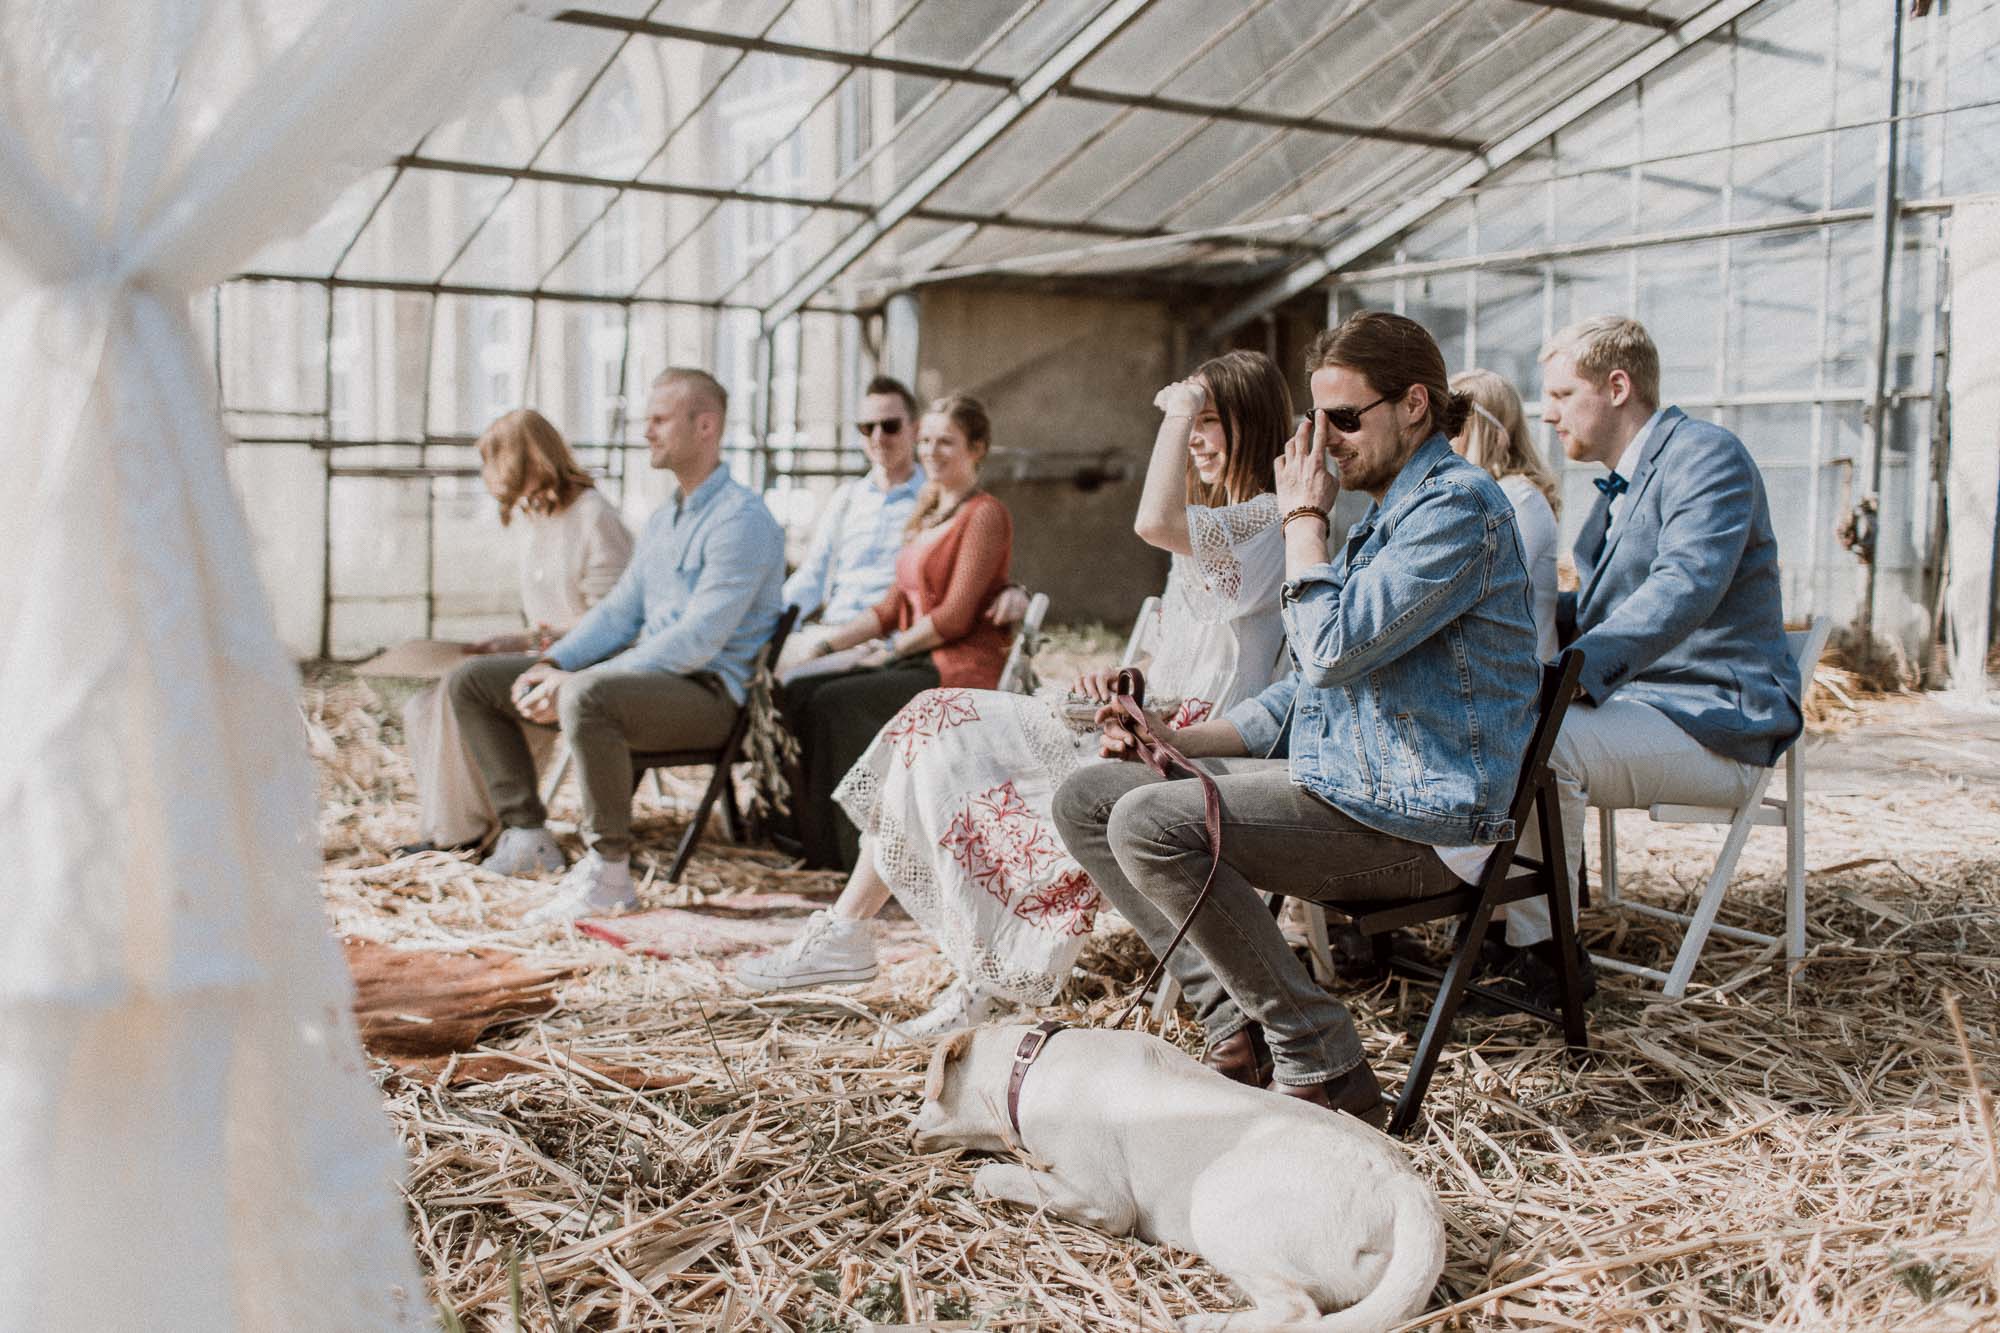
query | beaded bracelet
(1301,512)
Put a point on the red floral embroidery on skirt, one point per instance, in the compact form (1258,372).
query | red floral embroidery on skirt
(1190,712)
(927,717)
(1067,905)
(1000,842)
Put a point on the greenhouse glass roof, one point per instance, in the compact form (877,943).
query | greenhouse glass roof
(779,155)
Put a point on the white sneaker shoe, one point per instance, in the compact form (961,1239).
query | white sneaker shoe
(963,1005)
(524,851)
(831,950)
(593,887)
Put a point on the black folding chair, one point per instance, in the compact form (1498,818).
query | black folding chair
(1508,878)
(721,783)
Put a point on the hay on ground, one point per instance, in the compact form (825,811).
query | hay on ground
(1779,1151)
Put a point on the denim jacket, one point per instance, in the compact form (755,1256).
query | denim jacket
(1414,681)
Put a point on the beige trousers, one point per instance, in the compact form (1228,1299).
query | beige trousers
(1622,755)
(451,798)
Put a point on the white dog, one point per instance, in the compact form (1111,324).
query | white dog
(1306,1210)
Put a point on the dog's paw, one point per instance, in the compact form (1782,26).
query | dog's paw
(992,1180)
(1208,1323)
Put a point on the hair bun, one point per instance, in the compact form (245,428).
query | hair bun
(1457,407)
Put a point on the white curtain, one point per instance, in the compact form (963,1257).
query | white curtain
(188,1135)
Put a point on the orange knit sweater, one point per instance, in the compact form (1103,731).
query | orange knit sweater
(952,578)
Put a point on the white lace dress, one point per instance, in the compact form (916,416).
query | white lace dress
(956,789)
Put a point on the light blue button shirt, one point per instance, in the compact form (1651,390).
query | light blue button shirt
(702,592)
(852,560)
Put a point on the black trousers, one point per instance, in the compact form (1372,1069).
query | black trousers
(835,717)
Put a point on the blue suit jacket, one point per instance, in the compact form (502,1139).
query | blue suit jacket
(1682,608)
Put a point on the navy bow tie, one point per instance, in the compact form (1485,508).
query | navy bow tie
(1614,485)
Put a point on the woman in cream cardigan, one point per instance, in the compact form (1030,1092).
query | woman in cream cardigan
(571,546)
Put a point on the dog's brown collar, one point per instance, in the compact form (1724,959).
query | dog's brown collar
(1025,1055)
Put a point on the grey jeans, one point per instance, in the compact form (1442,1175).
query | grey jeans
(606,716)
(1145,844)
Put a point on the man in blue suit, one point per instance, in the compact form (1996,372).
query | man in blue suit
(1688,688)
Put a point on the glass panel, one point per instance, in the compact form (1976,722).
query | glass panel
(1683,192)
(281,487)
(507,131)
(1510,326)
(479,361)
(1438,303)
(743,17)
(1205,156)
(531,226)
(1458,70)
(614,250)
(379,547)
(623,119)
(1514,207)
(422,224)
(1154,45)
(1348,51)
(910,244)
(1039,36)
(1244,58)
(380,347)
(315,249)
(952,33)
(1851,273)
(1774,299)
(274,348)
(1080,181)
(765,267)
(1023,155)
(737,135)
(475,583)
(1782,56)
(578,360)
(1862,90)
(1593,285)
(907,147)
(1680,290)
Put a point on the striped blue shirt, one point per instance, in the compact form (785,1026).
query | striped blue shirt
(702,592)
(852,560)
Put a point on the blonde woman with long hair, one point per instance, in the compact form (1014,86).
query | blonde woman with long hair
(571,547)
(1495,437)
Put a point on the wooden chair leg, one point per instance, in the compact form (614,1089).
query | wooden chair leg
(732,814)
(1554,875)
(1437,1029)
(692,833)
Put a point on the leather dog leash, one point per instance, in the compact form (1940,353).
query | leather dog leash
(1128,695)
(1025,1055)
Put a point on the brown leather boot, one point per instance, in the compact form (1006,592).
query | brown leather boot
(1356,1092)
(1242,1055)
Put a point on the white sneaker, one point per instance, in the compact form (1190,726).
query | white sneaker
(593,887)
(963,1005)
(524,851)
(830,951)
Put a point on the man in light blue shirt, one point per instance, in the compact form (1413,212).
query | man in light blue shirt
(662,663)
(852,560)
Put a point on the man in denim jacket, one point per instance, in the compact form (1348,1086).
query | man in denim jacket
(1405,718)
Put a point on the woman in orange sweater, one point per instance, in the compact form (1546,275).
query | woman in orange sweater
(929,630)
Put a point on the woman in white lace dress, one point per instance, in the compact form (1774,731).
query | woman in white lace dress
(952,798)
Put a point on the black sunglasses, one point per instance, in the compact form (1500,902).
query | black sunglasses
(887,425)
(1346,420)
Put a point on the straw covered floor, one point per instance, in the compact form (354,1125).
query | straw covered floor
(1774,1152)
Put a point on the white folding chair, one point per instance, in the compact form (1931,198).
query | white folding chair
(1014,676)
(1787,812)
(1143,629)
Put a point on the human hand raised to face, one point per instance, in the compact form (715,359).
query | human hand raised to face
(1303,480)
(1182,398)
